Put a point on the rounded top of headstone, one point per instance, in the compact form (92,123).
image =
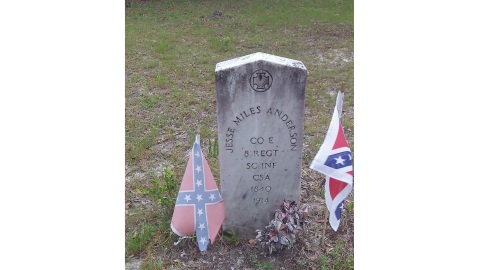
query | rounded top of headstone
(259,56)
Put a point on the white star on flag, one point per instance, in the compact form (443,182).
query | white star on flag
(199,183)
(197,154)
(203,240)
(339,160)
(187,198)
(201,226)
(199,197)
(198,169)
(200,212)
(212,196)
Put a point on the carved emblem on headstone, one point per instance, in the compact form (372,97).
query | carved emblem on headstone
(261,80)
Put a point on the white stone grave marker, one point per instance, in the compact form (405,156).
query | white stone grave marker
(260,114)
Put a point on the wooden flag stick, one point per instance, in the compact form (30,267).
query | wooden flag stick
(324,227)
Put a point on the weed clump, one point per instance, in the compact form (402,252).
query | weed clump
(165,192)
(230,237)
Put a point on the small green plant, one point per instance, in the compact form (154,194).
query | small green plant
(264,265)
(322,192)
(162,188)
(139,238)
(161,80)
(350,207)
(165,193)
(213,148)
(260,264)
(339,260)
(161,47)
(230,237)
(323,261)
(150,101)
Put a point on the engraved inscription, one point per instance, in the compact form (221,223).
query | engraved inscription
(277,113)
(243,115)
(229,140)
(260,115)
(260,157)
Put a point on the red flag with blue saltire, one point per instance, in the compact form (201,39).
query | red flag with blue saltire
(334,159)
(199,208)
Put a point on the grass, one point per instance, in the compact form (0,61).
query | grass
(171,49)
(155,228)
(230,237)
(139,238)
(221,44)
(213,148)
(337,259)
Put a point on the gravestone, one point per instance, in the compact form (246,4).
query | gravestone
(260,114)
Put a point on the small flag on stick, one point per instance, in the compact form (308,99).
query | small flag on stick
(199,207)
(334,159)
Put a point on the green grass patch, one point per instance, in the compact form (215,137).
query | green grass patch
(161,80)
(141,143)
(139,238)
(155,228)
(337,259)
(152,264)
(161,47)
(151,64)
(230,237)
(150,101)
(213,148)
(221,44)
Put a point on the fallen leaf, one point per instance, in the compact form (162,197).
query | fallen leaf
(252,242)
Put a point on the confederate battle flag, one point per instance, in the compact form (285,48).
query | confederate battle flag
(199,207)
(334,159)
